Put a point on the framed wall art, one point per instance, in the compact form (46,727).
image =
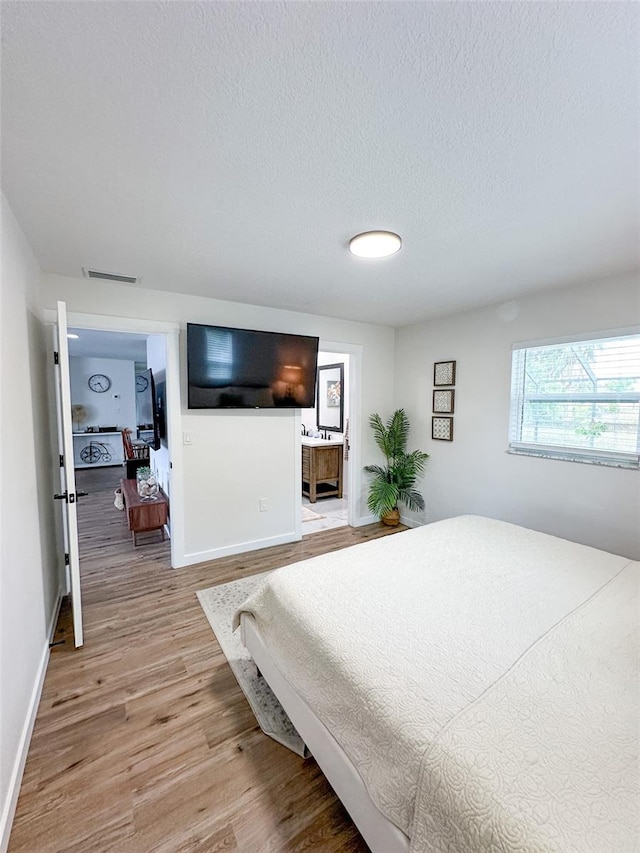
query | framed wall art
(442,428)
(443,401)
(444,373)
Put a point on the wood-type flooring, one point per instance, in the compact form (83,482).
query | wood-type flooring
(143,740)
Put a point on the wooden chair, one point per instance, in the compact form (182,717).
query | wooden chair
(135,455)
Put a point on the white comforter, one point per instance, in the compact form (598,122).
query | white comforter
(480,676)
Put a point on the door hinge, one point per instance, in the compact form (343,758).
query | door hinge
(61,458)
(56,358)
(66,559)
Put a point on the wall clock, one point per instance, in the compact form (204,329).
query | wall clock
(99,383)
(142,383)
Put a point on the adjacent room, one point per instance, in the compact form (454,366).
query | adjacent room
(325,447)
(117,384)
(320,426)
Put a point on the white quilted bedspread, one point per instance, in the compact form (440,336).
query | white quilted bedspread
(480,676)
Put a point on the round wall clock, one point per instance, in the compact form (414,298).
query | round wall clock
(99,383)
(142,383)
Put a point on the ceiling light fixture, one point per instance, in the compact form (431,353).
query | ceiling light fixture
(375,244)
(72,336)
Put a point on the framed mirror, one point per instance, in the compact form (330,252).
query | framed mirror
(330,403)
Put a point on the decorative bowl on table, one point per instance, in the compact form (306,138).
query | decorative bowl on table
(147,484)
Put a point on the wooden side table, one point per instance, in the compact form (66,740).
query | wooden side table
(144,515)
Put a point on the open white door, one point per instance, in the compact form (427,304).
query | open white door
(68,495)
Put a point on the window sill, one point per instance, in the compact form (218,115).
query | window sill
(573,457)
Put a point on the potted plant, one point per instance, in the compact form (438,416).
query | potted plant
(394,482)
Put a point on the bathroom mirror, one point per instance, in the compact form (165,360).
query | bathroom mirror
(330,404)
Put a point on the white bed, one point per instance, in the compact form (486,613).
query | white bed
(467,686)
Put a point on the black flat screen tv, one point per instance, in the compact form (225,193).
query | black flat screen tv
(231,368)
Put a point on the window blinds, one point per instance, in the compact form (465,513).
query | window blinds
(578,400)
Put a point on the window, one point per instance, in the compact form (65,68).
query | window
(578,401)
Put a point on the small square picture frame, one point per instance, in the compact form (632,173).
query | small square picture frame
(441,428)
(444,373)
(443,401)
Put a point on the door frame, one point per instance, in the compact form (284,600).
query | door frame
(354,472)
(171,333)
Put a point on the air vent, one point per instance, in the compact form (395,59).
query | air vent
(110,276)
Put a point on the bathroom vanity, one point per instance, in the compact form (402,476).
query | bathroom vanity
(321,468)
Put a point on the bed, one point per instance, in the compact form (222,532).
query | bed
(466,686)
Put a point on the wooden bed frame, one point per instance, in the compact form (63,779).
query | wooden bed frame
(381,835)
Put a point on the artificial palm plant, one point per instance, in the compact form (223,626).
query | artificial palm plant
(394,482)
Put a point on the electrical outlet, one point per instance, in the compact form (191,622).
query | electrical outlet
(262,503)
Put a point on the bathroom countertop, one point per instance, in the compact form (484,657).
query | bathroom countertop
(320,442)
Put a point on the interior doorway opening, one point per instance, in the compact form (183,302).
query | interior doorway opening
(325,439)
(118,409)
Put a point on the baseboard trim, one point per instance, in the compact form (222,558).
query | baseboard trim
(241,548)
(283,539)
(56,611)
(404,519)
(13,791)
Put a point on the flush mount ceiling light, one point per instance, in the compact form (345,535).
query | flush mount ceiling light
(375,244)
(72,337)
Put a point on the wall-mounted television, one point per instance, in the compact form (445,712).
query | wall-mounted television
(231,368)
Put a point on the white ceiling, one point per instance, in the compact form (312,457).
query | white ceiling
(94,343)
(232,149)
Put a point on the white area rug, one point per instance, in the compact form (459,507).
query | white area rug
(309,514)
(219,604)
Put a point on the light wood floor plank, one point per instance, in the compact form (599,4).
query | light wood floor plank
(143,739)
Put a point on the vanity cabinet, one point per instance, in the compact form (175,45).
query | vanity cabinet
(322,470)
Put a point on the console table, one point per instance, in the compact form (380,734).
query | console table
(144,515)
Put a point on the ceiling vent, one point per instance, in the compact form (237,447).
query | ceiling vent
(110,276)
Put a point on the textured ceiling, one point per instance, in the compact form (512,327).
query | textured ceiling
(232,149)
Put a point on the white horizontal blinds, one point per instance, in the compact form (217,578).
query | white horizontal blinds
(582,396)
(517,394)
(219,356)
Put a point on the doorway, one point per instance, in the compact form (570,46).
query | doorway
(168,334)
(118,389)
(325,440)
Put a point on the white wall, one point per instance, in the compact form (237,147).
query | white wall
(591,504)
(236,458)
(115,407)
(29,575)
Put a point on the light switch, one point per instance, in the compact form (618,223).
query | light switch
(187,438)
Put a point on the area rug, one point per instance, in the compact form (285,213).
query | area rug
(309,514)
(219,604)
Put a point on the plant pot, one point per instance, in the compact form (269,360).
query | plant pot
(392,518)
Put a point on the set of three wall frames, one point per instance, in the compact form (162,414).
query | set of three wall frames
(444,374)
